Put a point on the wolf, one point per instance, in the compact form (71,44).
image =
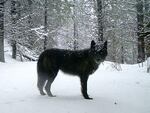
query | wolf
(81,63)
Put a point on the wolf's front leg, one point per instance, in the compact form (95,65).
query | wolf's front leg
(84,79)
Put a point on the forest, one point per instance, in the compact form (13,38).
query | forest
(121,83)
(31,26)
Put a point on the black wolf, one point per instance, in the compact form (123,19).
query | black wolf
(81,63)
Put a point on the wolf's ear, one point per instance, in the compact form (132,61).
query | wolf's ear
(105,44)
(93,44)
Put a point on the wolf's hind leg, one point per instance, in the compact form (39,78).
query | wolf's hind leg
(40,84)
(51,78)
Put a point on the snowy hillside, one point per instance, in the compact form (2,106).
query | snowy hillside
(126,91)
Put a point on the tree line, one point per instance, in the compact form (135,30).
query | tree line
(31,26)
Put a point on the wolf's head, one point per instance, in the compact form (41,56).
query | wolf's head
(99,51)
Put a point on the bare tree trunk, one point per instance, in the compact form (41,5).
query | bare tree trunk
(2,59)
(14,49)
(140,29)
(147,33)
(13,20)
(100,20)
(45,25)
(75,25)
(147,28)
(29,11)
(122,55)
(15,15)
(30,20)
(148,65)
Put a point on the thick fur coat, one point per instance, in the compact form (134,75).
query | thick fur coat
(81,63)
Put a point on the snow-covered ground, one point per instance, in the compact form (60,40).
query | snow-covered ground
(126,91)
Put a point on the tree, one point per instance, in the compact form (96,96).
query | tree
(75,24)
(15,15)
(45,25)
(146,33)
(119,29)
(140,29)
(23,19)
(100,20)
(2,59)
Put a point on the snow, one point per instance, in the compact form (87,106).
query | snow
(126,91)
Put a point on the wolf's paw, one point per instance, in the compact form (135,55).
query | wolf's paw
(42,93)
(51,95)
(89,98)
